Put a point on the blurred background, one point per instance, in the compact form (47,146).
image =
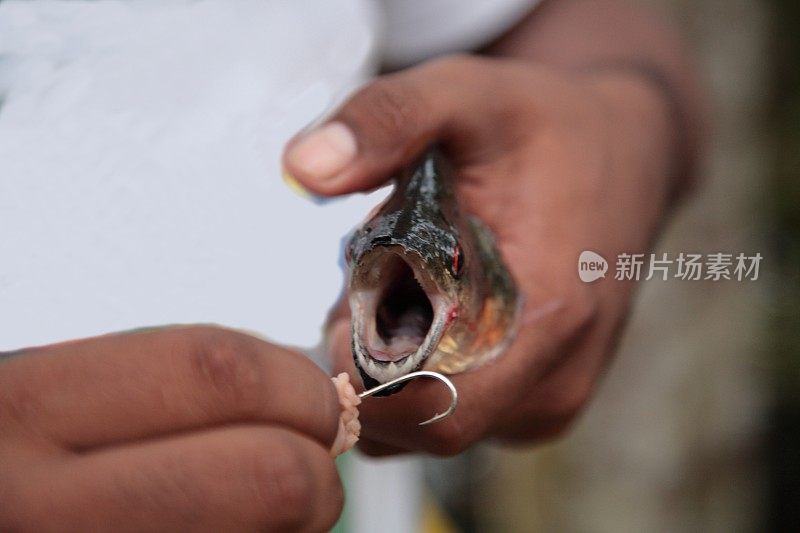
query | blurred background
(696,426)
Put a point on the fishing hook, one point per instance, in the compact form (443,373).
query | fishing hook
(420,374)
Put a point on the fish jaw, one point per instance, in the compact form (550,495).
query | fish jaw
(372,362)
(384,352)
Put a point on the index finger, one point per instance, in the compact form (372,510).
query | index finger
(121,387)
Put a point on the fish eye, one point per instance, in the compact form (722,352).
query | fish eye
(458,261)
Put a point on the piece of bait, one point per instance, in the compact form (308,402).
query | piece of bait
(349,425)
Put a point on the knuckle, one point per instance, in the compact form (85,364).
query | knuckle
(17,405)
(572,401)
(10,408)
(229,365)
(392,106)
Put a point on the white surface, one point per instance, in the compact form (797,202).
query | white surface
(139,156)
(387,496)
(139,164)
(416,30)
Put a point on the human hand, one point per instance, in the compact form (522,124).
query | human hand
(184,428)
(555,163)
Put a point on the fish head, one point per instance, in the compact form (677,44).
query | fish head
(407,278)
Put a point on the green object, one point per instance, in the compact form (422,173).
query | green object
(343,464)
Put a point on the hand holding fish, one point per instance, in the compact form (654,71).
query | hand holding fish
(553,162)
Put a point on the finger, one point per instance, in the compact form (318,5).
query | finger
(245,478)
(121,387)
(391,424)
(393,421)
(378,449)
(533,392)
(387,124)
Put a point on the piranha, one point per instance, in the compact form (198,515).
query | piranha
(428,288)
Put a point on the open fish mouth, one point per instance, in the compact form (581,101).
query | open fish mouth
(399,315)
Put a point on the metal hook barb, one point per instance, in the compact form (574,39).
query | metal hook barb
(415,375)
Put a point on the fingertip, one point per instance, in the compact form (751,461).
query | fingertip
(320,155)
(295,185)
(300,190)
(365,172)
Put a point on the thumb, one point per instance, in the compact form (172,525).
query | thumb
(380,128)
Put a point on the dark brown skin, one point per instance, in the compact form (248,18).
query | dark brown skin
(564,140)
(180,429)
(200,429)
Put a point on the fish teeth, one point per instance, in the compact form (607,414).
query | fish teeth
(385,371)
(408,364)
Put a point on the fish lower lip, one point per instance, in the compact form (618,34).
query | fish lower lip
(387,363)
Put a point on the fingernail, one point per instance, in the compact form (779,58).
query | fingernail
(324,152)
(294,185)
(301,191)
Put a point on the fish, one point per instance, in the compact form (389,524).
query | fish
(428,288)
